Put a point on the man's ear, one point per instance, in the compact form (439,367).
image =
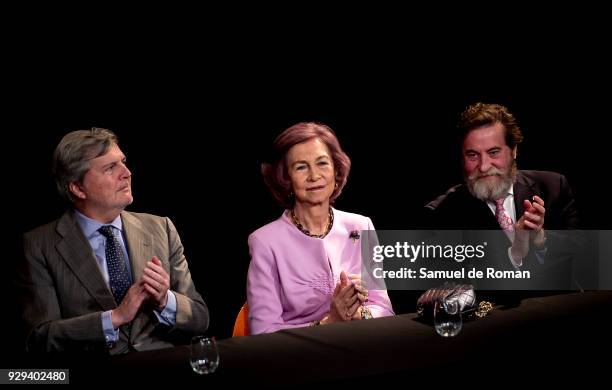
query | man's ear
(77,190)
(514,150)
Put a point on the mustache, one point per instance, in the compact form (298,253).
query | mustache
(491,172)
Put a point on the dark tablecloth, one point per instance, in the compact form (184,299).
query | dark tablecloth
(562,335)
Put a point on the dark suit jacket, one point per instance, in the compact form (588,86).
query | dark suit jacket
(63,292)
(457,209)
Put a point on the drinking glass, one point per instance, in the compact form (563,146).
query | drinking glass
(447,317)
(204,356)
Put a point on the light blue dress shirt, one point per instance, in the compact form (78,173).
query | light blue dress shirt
(97,241)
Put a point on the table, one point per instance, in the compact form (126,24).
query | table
(554,335)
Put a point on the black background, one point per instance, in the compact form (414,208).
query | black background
(196,108)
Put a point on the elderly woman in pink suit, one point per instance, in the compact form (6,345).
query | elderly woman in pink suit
(305,266)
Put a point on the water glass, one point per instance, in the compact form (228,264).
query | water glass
(204,356)
(447,317)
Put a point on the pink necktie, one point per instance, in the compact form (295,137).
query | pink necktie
(504,220)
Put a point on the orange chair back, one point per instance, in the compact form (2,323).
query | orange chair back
(241,326)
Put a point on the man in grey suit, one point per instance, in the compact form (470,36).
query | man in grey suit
(100,278)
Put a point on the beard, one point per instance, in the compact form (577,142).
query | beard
(490,189)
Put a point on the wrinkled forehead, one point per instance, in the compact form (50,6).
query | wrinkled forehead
(485,137)
(308,151)
(112,154)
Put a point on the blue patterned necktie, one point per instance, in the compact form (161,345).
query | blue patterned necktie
(118,276)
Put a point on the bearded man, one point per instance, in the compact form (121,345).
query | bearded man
(524,204)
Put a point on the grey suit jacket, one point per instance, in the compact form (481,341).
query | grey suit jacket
(64,294)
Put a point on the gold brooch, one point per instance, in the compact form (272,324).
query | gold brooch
(483,309)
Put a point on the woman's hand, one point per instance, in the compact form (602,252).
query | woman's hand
(362,292)
(345,301)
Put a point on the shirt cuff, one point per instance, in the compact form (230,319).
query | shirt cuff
(111,335)
(168,315)
(515,264)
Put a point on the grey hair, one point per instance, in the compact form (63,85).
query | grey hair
(73,153)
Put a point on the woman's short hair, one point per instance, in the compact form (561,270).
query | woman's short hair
(482,114)
(73,154)
(275,172)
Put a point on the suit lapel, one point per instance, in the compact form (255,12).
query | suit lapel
(478,213)
(140,251)
(138,242)
(77,253)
